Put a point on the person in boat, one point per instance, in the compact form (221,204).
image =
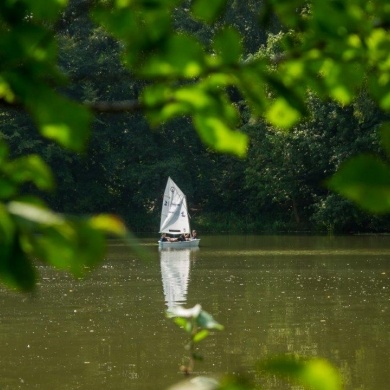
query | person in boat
(163,237)
(187,236)
(194,235)
(181,237)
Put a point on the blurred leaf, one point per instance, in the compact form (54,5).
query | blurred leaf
(179,311)
(16,270)
(32,213)
(385,136)
(208,10)
(180,55)
(61,120)
(206,321)
(228,46)
(183,323)
(30,169)
(314,374)
(215,133)
(197,356)
(379,86)
(287,11)
(45,9)
(342,79)
(366,180)
(200,335)
(110,224)
(281,114)
(7,188)
(253,88)
(7,227)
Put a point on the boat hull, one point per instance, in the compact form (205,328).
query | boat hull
(179,244)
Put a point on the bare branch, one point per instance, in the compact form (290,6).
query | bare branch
(116,106)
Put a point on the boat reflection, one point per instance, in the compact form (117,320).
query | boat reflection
(175,273)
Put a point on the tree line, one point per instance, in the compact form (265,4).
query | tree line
(279,186)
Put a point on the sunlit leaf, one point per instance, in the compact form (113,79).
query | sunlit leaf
(379,86)
(281,114)
(208,10)
(30,169)
(215,133)
(109,224)
(314,374)
(62,120)
(71,246)
(183,323)
(201,335)
(33,213)
(365,180)
(180,55)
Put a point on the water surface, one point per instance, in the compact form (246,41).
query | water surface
(312,296)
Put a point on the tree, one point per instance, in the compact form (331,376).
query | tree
(332,48)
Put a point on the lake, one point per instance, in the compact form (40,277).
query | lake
(315,296)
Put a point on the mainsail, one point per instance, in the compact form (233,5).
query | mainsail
(174,215)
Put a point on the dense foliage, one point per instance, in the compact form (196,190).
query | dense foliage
(280,186)
(238,73)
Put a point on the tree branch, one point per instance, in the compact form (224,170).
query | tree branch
(116,106)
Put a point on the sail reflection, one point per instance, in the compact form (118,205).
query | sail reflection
(175,272)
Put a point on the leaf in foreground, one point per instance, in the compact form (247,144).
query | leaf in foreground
(365,180)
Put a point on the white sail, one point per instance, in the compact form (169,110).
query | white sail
(174,215)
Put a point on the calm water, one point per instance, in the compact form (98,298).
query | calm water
(314,296)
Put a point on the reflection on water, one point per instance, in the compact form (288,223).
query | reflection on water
(175,273)
(312,296)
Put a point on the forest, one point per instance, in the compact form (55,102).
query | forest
(278,187)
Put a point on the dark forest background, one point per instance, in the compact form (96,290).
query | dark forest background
(278,187)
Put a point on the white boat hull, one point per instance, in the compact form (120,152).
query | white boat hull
(179,244)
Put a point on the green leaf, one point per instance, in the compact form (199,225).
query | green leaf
(253,88)
(46,9)
(61,120)
(183,323)
(365,180)
(16,270)
(200,335)
(379,86)
(384,131)
(181,55)
(7,226)
(206,321)
(208,10)
(314,374)
(7,188)
(281,114)
(215,133)
(109,224)
(30,168)
(58,118)
(227,44)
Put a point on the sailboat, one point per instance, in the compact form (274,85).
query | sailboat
(174,217)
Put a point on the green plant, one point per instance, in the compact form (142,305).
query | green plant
(197,323)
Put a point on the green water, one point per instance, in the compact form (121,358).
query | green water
(313,296)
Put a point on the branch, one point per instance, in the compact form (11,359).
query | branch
(97,107)
(116,107)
